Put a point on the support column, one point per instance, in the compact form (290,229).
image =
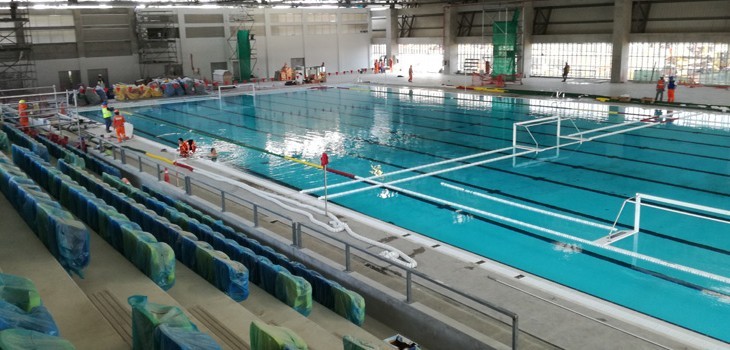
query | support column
(450,46)
(621,31)
(528,19)
(391,35)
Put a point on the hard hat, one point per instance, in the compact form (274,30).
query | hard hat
(103,103)
(21,101)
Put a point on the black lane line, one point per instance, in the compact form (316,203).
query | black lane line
(482,116)
(545,114)
(579,167)
(489,128)
(679,240)
(466,133)
(397,103)
(482,150)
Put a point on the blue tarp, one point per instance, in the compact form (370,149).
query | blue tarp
(38,319)
(148,316)
(17,339)
(19,291)
(174,338)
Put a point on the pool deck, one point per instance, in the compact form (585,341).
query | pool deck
(560,317)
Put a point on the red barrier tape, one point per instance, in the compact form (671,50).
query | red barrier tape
(338,172)
(182,165)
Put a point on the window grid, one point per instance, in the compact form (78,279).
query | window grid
(376,51)
(692,63)
(477,54)
(423,57)
(586,60)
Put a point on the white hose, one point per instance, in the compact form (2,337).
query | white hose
(334,226)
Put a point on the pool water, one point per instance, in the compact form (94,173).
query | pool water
(497,209)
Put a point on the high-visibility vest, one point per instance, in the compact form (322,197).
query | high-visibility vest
(106,113)
(660,85)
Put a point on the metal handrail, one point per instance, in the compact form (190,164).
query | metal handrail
(297,242)
(124,153)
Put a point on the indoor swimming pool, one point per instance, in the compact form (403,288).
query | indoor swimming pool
(520,195)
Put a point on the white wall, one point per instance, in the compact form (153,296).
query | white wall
(120,69)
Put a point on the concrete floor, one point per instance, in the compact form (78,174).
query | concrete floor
(560,317)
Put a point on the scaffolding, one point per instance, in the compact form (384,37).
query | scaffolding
(157,36)
(506,46)
(242,57)
(17,66)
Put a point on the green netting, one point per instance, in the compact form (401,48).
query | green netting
(295,291)
(351,343)
(244,54)
(504,49)
(266,337)
(147,316)
(27,339)
(19,291)
(349,304)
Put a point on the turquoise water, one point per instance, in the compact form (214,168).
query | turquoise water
(394,129)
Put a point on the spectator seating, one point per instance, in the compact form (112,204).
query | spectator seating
(65,237)
(155,259)
(328,293)
(163,327)
(24,322)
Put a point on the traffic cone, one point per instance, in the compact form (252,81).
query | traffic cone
(167,176)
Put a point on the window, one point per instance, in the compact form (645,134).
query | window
(692,63)
(354,28)
(586,60)
(319,29)
(473,56)
(286,18)
(423,57)
(376,51)
(286,30)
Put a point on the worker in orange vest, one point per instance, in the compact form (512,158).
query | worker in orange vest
(119,126)
(184,148)
(23,114)
(659,89)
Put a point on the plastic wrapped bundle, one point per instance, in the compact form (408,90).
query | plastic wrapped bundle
(200,88)
(120,92)
(228,276)
(231,277)
(31,340)
(268,272)
(148,316)
(351,343)
(266,337)
(186,248)
(173,338)
(19,291)
(248,259)
(179,91)
(41,151)
(188,86)
(294,291)
(155,90)
(156,260)
(66,238)
(38,319)
(92,97)
(323,290)
(100,91)
(133,92)
(168,90)
(4,142)
(349,304)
